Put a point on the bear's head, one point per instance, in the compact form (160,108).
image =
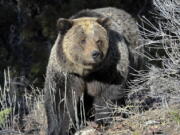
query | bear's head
(85,41)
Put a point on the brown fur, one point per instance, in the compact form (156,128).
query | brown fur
(79,54)
(73,71)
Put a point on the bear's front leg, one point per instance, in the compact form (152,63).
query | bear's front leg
(106,96)
(97,89)
(103,110)
(50,88)
(62,94)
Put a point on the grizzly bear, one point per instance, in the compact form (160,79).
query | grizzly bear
(90,64)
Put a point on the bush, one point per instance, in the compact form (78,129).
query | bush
(161,83)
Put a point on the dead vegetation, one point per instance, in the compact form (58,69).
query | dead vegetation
(160,86)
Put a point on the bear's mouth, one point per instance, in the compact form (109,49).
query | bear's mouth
(92,63)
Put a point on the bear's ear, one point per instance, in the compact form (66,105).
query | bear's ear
(104,21)
(64,24)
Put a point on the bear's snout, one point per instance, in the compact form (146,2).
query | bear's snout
(97,55)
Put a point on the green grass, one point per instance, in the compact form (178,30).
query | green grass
(176,116)
(4,114)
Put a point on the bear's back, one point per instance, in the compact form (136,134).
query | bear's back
(124,24)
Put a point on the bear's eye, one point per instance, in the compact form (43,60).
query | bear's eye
(83,41)
(99,42)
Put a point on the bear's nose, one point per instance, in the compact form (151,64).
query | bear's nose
(96,54)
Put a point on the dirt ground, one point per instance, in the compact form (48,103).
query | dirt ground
(164,121)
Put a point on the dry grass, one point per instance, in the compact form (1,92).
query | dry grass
(160,83)
(12,123)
